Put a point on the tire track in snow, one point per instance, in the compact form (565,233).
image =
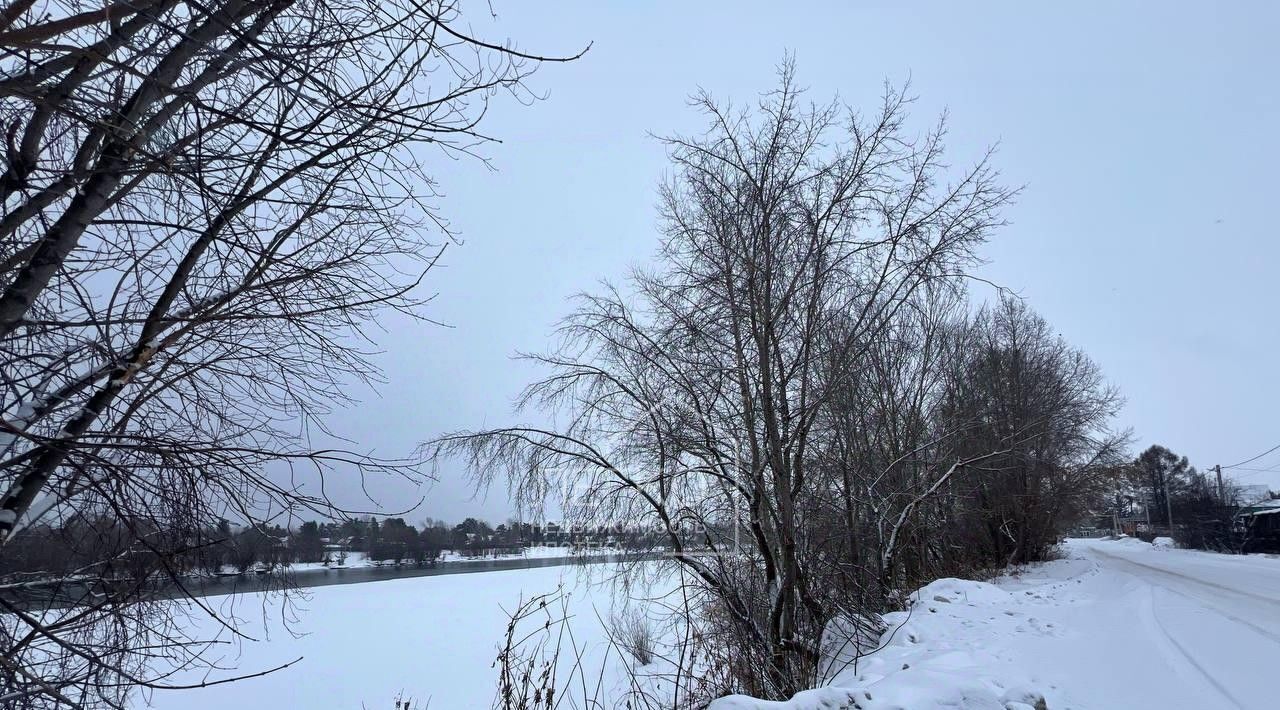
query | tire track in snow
(1206,603)
(1230,604)
(1188,578)
(1186,655)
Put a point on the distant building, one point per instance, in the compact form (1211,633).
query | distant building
(1248,495)
(341,544)
(1259,526)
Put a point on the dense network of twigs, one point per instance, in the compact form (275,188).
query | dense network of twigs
(204,205)
(801,382)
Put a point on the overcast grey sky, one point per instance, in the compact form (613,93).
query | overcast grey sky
(1145,133)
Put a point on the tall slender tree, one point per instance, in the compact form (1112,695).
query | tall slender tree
(1162,473)
(693,398)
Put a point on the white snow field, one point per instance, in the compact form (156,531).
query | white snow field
(1117,624)
(431,639)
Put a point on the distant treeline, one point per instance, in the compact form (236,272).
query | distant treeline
(138,549)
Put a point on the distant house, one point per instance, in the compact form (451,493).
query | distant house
(555,535)
(1140,525)
(1259,526)
(341,544)
(1252,494)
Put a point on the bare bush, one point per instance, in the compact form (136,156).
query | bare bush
(635,633)
(537,643)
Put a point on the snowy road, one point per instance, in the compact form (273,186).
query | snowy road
(1201,627)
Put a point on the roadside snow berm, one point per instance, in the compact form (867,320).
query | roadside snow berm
(941,653)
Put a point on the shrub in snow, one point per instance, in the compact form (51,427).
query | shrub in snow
(634,633)
(530,657)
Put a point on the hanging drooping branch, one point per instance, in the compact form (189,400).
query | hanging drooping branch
(795,241)
(204,204)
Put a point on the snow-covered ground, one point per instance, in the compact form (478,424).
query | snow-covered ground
(432,639)
(1116,624)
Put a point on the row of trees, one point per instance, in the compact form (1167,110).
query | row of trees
(389,540)
(46,554)
(1160,492)
(802,378)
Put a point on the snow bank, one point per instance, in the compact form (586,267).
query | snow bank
(943,652)
(1117,623)
(1163,542)
(961,590)
(924,690)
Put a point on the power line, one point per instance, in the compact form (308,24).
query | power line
(1255,472)
(1268,469)
(1246,476)
(1255,458)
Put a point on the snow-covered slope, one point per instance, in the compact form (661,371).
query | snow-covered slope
(1118,624)
(951,649)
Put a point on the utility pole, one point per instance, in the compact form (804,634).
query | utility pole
(1168,504)
(1222,496)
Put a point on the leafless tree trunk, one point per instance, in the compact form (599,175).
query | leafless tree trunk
(204,204)
(694,400)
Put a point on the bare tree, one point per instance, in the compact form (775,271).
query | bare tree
(205,204)
(883,457)
(693,399)
(1015,380)
(1023,417)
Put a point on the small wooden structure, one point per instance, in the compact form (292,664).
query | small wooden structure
(1258,527)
